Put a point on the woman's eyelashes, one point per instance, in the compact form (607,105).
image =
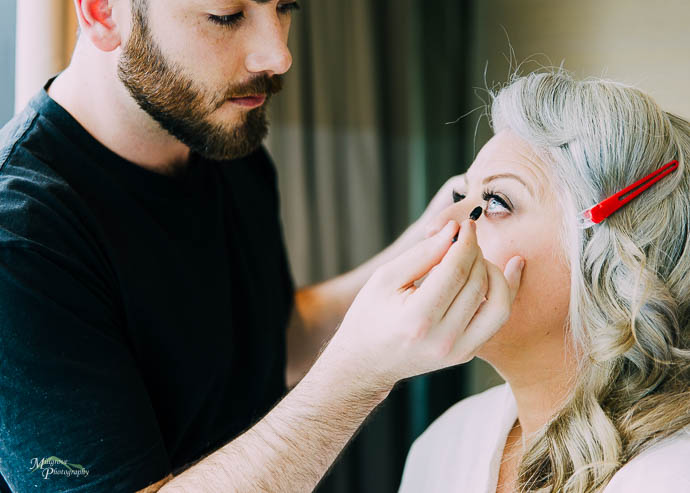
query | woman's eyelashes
(492,199)
(496,204)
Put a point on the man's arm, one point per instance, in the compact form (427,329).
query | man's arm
(393,330)
(293,446)
(319,308)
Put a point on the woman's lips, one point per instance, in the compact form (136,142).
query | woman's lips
(250,101)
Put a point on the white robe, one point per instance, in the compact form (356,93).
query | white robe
(462,450)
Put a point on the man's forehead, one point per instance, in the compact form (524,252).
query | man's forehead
(192,5)
(218,3)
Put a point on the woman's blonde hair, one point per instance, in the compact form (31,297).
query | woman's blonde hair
(630,275)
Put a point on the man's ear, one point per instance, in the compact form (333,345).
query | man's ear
(97,23)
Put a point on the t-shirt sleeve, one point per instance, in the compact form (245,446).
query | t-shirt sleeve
(75,414)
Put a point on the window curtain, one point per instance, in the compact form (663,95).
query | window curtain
(360,139)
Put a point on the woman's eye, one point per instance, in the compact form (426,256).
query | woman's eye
(457,197)
(226,20)
(495,203)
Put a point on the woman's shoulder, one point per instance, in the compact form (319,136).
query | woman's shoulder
(664,467)
(459,445)
(470,412)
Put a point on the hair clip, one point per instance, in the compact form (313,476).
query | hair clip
(602,210)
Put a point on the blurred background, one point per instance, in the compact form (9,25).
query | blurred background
(361,140)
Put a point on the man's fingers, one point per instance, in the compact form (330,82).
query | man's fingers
(513,275)
(442,199)
(418,260)
(434,227)
(464,306)
(443,284)
(490,316)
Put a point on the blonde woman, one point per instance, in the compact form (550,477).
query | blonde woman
(595,352)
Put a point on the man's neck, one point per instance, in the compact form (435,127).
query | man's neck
(102,105)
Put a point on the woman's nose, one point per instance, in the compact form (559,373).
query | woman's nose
(458,211)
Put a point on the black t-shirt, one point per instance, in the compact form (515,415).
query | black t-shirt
(142,315)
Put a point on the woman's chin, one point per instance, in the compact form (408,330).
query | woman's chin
(504,347)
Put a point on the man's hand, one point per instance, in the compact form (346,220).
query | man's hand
(396,330)
(421,228)
(321,307)
(442,199)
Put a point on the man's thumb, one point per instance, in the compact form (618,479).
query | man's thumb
(416,262)
(513,275)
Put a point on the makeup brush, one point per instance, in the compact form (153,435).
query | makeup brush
(474,215)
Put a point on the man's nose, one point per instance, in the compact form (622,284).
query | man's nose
(269,53)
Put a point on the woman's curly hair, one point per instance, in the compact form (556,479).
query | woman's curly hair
(630,275)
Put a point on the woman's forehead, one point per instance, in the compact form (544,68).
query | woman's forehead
(508,153)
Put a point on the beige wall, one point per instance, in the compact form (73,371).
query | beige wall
(46,31)
(641,42)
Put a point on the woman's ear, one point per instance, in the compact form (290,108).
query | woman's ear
(97,23)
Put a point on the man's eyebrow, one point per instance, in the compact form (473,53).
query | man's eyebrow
(507,175)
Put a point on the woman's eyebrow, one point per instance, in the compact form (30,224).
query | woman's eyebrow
(508,175)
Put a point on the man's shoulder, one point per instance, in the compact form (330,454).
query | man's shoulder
(14,132)
(34,197)
(25,149)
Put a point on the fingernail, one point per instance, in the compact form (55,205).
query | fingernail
(455,238)
(476,212)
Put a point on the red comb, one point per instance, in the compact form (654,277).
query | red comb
(596,214)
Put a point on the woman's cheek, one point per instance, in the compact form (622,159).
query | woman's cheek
(499,245)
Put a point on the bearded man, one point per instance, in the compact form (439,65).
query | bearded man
(149,326)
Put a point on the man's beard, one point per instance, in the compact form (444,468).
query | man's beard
(175,102)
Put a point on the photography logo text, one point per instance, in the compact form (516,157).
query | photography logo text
(54,466)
